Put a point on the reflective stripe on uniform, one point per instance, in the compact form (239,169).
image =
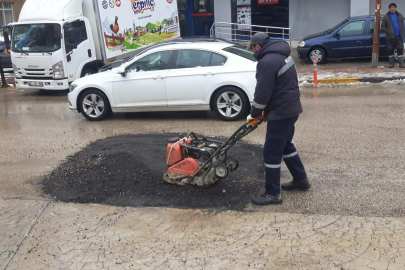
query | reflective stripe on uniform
(289,63)
(291,155)
(272,166)
(259,106)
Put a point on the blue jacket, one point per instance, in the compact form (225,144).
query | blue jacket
(277,91)
(395,24)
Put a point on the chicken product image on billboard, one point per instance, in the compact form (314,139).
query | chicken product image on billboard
(131,24)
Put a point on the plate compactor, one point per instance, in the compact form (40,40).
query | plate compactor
(199,161)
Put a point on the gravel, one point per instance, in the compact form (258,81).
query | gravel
(127,171)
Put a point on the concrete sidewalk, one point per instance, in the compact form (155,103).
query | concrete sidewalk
(331,74)
(48,235)
(348,71)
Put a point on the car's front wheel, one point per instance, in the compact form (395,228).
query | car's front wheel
(319,54)
(87,72)
(230,104)
(94,105)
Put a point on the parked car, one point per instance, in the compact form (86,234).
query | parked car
(175,76)
(351,38)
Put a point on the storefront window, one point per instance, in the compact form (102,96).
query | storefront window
(271,13)
(199,14)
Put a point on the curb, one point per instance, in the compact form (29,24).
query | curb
(355,80)
(10,89)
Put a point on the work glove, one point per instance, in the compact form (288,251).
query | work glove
(250,118)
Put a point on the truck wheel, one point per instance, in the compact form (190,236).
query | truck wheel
(319,54)
(230,104)
(94,105)
(87,72)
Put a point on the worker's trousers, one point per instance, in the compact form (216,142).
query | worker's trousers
(396,43)
(279,146)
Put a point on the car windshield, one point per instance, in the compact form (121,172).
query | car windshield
(241,51)
(36,38)
(336,26)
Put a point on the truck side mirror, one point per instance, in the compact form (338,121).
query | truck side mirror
(6,40)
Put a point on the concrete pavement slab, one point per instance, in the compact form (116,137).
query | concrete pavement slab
(17,218)
(74,236)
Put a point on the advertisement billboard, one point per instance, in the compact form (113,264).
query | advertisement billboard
(131,24)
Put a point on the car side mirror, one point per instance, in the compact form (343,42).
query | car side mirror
(122,70)
(337,35)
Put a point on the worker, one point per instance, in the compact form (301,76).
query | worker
(393,27)
(277,94)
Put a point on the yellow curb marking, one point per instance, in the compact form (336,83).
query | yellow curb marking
(338,80)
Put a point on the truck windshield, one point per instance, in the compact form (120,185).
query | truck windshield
(36,38)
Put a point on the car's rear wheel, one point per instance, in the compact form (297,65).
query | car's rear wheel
(319,54)
(230,104)
(94,105)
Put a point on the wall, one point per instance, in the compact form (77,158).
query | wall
(17,5)
(222,11)
(385,3)
(359,7)
(308,17)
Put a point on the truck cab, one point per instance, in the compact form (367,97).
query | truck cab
(53,44)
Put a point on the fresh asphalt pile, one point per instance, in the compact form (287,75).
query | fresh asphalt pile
(127,171)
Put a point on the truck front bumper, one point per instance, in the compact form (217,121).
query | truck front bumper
(42,84)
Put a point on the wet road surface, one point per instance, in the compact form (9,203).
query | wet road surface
(350,140)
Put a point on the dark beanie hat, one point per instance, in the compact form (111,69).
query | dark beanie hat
(392,4)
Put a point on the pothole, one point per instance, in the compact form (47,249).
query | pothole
(128,170)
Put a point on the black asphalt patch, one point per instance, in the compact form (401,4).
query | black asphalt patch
(128,170)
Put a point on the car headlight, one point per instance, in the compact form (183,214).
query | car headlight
(16,73)
(72,87)
(58,71)
(301,44)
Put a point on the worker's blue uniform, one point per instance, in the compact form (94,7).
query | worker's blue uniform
(278,95)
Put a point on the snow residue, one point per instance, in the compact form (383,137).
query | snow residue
(328,75)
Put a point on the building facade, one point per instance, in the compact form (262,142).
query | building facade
(10,10)
(304,17)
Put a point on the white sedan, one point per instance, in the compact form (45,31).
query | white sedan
(186,76)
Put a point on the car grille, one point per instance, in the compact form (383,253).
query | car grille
(36,74)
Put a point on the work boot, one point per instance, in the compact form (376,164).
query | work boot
(401,61)
(297,185)
(265,199)
(392,61)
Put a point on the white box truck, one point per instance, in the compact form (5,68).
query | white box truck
(57,41)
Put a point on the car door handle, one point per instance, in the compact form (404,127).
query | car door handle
(208,73)
(358,41)
(158,77)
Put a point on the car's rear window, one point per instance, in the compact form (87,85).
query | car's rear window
(240,51)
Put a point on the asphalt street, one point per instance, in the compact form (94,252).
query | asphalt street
(350,140)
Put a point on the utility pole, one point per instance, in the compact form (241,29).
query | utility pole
(376,39)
